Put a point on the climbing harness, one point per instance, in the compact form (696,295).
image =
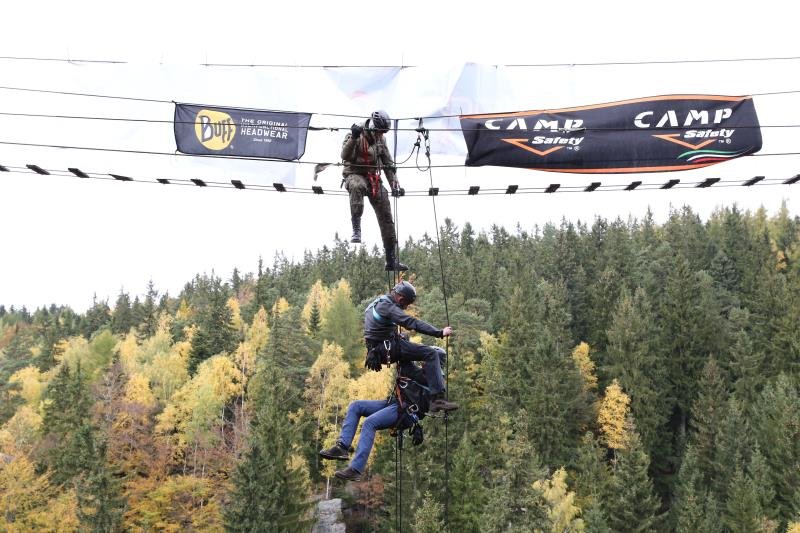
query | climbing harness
(373,173)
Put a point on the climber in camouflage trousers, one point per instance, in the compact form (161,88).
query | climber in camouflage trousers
(365,154)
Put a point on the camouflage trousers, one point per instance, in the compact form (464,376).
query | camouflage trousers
(359,186)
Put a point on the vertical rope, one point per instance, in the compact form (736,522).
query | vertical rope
(396,477)
(447,351)
(398,473)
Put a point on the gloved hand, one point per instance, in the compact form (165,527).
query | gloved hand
(356,130)
(416,435)
(373,361)
(397,190)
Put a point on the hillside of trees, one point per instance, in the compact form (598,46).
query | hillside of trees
(612,376)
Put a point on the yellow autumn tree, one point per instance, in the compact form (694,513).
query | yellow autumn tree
(137,390)
(793,527)
(159,359)
(326,394)
(165,363)
(32,384)
(614,411)
(562,512)
(236,314)
(24,502)
(179,503)
(60,514)
(94,356)
(184,312)
(20,433)
(255,338)
(159,343)
(318,298)
(193,420)
(585,366)
(280,306)
(128,349)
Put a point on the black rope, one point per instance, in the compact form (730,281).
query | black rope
(266,160)
(399,433)
(161,101)
(409,129)
(613,187)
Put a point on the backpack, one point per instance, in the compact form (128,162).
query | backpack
(412,404)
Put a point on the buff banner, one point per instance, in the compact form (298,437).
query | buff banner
(205,130)
(654,134)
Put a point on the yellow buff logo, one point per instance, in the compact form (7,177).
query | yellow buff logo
(215,130)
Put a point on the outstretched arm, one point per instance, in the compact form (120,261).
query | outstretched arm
(400,317)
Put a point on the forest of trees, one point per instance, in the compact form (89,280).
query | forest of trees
(617,376)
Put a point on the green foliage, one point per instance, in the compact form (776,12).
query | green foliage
(269,490)
(742,513)
(697,321)
(428,518)
(776,420)
(539,375)
(122,319)
(634,506)
(343,324)
(68,444)
(216,333)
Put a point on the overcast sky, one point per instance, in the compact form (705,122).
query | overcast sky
(65,239)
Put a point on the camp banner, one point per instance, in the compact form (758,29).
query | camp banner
(206,130)
(653,134)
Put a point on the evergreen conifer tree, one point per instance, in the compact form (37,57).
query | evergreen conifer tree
(707,415)
(776,421)
(428,517)
(98,316)
(270,493)
(216,332)
(540,375)
(632,360)
(743,513)
(122,318)
(68,444)
(467,494)
(634,506)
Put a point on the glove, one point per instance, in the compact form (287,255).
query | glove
(356,130)
(373,361)
(416,435)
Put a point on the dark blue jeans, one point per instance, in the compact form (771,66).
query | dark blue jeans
(377,414)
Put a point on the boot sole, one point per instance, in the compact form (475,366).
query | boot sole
(334,457)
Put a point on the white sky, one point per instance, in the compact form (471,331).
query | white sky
(65,239)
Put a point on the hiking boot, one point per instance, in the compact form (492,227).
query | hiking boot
(438,403)
(348,474)
(337,452)
(392,264)
(356,238)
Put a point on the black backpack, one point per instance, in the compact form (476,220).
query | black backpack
(412,404)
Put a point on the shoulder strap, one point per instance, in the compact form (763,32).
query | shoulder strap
(375,314)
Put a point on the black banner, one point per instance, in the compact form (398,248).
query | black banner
(654,134)
(206,130)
